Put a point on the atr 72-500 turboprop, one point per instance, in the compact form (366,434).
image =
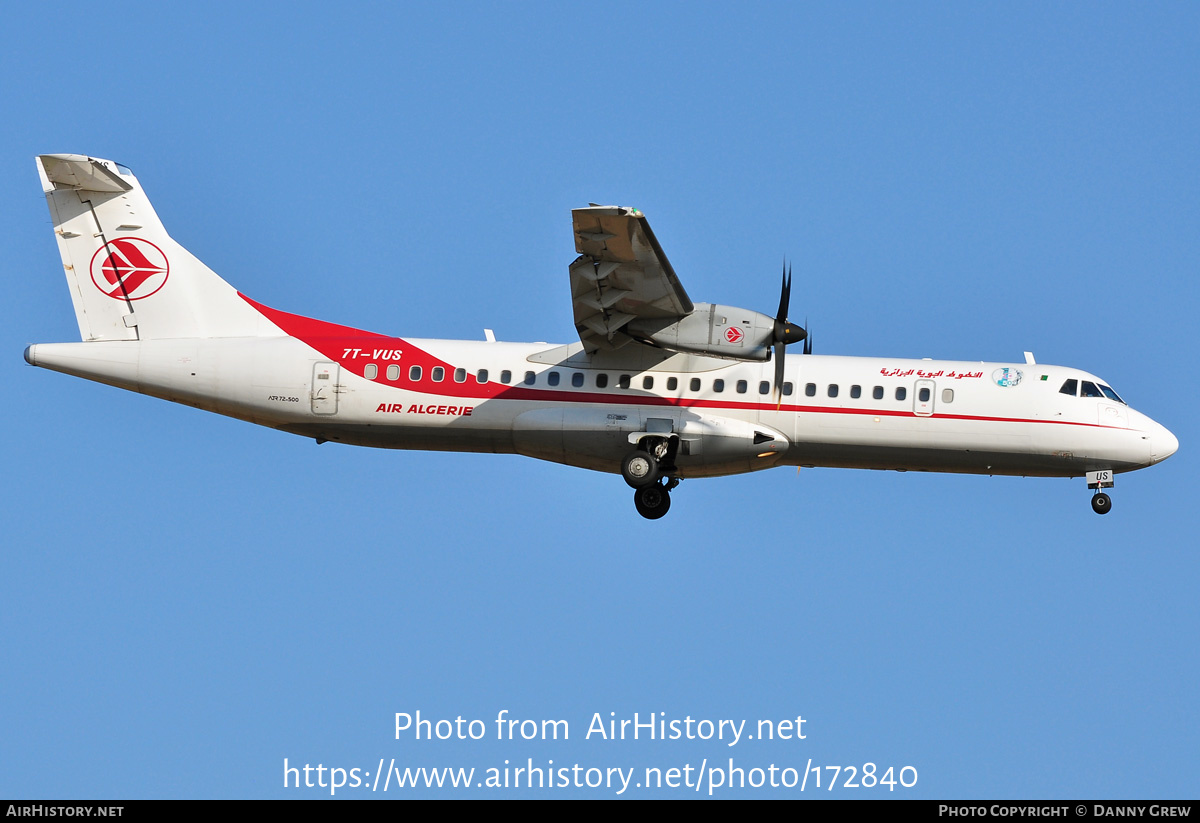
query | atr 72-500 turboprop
(657,388)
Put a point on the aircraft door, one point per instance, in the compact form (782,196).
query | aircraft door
(324,393)
(923,398)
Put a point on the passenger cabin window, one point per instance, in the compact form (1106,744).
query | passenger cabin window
(438,374)
(764,387)
(602,380)
(672,383)
(694,384)
(1070,387)
(460,375)
(718,385)
(947,395)
(552,378)
(810,389)
(623,381)
(832,390)
(856,392)
(577,379)
(742,386)
(370,371)
(787,389)
(393,372)
(481,376)
(530,378)
(1090,389)
(901,392)
(877,392)
(414,373)
(506,377)
(647,383)
(924,394)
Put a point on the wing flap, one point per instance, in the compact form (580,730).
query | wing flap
(621,275)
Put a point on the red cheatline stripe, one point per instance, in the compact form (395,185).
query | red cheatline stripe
(331,340)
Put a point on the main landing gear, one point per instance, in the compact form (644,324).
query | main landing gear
(648,470)
(1101,502)
(653,501)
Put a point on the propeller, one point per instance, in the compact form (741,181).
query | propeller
(785,332)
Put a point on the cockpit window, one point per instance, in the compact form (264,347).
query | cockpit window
(1090,389)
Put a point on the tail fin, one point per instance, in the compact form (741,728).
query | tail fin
(129,280)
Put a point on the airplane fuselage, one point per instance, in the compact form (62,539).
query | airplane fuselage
(334,383)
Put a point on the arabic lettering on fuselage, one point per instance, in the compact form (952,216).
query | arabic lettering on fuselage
(949,375)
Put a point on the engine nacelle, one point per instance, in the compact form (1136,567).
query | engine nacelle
(718,331)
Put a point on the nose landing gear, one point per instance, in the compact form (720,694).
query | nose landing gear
(1101,502)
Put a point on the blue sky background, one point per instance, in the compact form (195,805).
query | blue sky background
(186,600)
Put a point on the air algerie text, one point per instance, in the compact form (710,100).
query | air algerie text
(398,408)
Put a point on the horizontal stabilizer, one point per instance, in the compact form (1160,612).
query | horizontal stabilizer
(75,171)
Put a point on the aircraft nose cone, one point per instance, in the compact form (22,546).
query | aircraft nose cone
(1164,444)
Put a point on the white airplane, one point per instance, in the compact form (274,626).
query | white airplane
(657,388)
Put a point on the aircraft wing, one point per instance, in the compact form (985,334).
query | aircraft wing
(621,275)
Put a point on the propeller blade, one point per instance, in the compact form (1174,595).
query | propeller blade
(785,296)
(779,349)
(784,331)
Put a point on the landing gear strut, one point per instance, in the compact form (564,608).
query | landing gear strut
(1101,502)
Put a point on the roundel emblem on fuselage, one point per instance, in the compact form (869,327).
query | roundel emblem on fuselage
(1006,377)
(129,267)
(733,334)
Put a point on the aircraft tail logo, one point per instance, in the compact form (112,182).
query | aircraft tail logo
(129,268)
(108,232)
